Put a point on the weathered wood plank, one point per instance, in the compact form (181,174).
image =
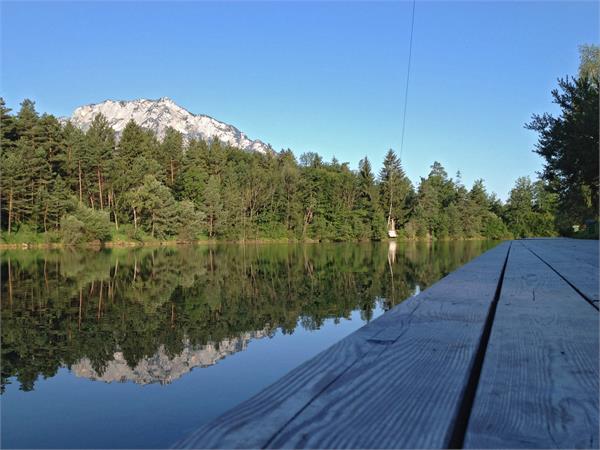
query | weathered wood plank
(395,382)
(575,259)
(539,382)
(580,250)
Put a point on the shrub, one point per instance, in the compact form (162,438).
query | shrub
(96,223)
(495,228)
(72,230)
(85,225)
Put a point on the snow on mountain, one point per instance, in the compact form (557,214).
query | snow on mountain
(160,114)
(162,368)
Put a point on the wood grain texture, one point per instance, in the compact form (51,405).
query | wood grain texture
(397,382)
(539,381)
(580,250)
(575,259)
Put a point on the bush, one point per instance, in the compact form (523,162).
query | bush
(97,224)
(410,230)
(72,230)
(22,233)
(52,237)
(495,228)
(85,225)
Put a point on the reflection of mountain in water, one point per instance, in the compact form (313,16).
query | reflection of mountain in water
(161,368)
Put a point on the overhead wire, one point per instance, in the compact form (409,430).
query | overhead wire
(410,46)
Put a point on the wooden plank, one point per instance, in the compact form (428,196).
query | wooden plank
(539,382)
(395,382)
(575,259)
(580,250)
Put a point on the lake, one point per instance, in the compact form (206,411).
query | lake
(135,348)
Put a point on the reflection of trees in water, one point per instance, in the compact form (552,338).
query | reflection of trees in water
(59,307)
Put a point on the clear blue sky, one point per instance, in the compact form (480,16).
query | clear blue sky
(325,77)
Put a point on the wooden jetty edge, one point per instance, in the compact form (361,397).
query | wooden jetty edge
(501,353)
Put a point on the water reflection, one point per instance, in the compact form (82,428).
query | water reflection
(161,367)
(152,315)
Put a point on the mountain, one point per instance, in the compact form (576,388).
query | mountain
(162,368)
(158,115)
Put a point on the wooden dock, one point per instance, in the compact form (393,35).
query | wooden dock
(502,353)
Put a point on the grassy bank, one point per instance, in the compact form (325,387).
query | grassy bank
(27,239)
(52,241)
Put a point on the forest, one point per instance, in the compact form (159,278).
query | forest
(63,184)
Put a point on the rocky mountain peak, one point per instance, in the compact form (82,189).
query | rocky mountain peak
(160,114)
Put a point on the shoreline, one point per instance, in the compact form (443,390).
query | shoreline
(138,244)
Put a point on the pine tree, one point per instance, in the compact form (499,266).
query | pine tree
(31,194)
(154,208)
(569,143)
(8,128)
(519,208)
(27,123)
(59,202)
(100,143)
(74,142)
(8,142)
(368,202)
(212,205)
(427,210)
(189,220)
(290,181)
(13,183)
(395,189)
(171,154)
(132,143)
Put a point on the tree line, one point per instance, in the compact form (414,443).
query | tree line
(77,186)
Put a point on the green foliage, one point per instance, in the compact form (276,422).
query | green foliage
(570,146)
(494,228)
(395,189)
(72,230)
(85,225)
(96,223)
(212,205)
(25,234)
(590,61)
(189,221)
(143,188)
(530,209)
(155,206)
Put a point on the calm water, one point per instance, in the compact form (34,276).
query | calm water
(135,348)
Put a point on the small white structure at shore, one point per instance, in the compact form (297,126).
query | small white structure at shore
(392,228)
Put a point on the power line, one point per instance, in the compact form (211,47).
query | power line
(412,27)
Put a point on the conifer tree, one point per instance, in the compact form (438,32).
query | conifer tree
(8,128)
(100,145)
(170,154)
(569,143)
(213,205)
(395,189)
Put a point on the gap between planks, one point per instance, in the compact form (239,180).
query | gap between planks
(591,301)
